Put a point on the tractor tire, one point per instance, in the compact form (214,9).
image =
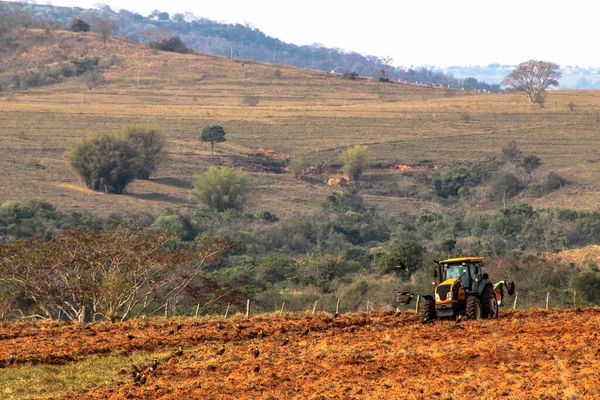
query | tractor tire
(473,308)
(428,310)
(489,304)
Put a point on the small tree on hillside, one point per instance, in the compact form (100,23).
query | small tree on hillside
(105,27)
(355,162)
(532,78)
(213,134)
(222,188)
(512,153)
(106,163)
(150,145)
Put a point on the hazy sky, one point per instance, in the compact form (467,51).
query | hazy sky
(434,32)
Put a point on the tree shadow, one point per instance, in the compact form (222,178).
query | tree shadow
(160,197)
(175,182)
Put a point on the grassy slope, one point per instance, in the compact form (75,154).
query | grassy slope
(303,113)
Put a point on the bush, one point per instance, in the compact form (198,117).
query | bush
(553,182)
(296,166)
(355,162)
(531,162)
(78,25)
(150,145)
(222,188)
(105,162)
(350,75)
(455,182)
(505,186)
(512,153)
(174,45)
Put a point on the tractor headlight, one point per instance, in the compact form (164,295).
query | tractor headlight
(449,296)
(437,297)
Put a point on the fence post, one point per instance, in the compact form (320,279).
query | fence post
(418,301)
(367,306)
(337,307)
(314,307)
(547,299)
(197,309)
(82,315)
(167,309)
(247,308)
(227,311)
(574,299)
(515,302)
(281,311)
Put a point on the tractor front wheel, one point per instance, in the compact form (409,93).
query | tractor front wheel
(489,304)
(473,307)
(428,309)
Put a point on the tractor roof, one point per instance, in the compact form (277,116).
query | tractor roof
(461,259)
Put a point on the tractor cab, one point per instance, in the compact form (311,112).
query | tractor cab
(466,270)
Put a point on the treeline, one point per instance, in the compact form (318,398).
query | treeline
(346,250)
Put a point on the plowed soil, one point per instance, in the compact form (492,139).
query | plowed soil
(535,354)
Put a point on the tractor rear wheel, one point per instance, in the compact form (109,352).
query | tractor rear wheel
(428,309)
(489,304)
(473,307)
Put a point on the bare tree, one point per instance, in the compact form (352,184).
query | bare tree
(116,276)
(386,63)
(155,34)
(105,27)
(532,78)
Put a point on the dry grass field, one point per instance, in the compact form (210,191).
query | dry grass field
(302,113)
(534,354)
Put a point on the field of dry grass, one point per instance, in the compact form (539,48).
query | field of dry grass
(534,354)
(303,113)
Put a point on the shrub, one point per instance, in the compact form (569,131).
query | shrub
(105,162)
(455,182)
(296,166)
(505,186)
(355,161)
(222,188)
(553,182)
(78,25)
(150,145)
(174,45)
(512,153)
(350,75)
(531,162)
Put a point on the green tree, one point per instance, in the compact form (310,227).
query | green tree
(213,134)
(296,166)
(150,145)
(355,161)
(222,188)
(403,256)
(105,162)
(504,186)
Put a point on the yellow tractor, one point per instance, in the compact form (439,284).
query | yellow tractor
(463,289)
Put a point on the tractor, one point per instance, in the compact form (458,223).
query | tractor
(463,289)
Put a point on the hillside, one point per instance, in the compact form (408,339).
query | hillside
(300,113)
(525,354)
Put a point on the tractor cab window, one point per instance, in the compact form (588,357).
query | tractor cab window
(457,271)
(475,270)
